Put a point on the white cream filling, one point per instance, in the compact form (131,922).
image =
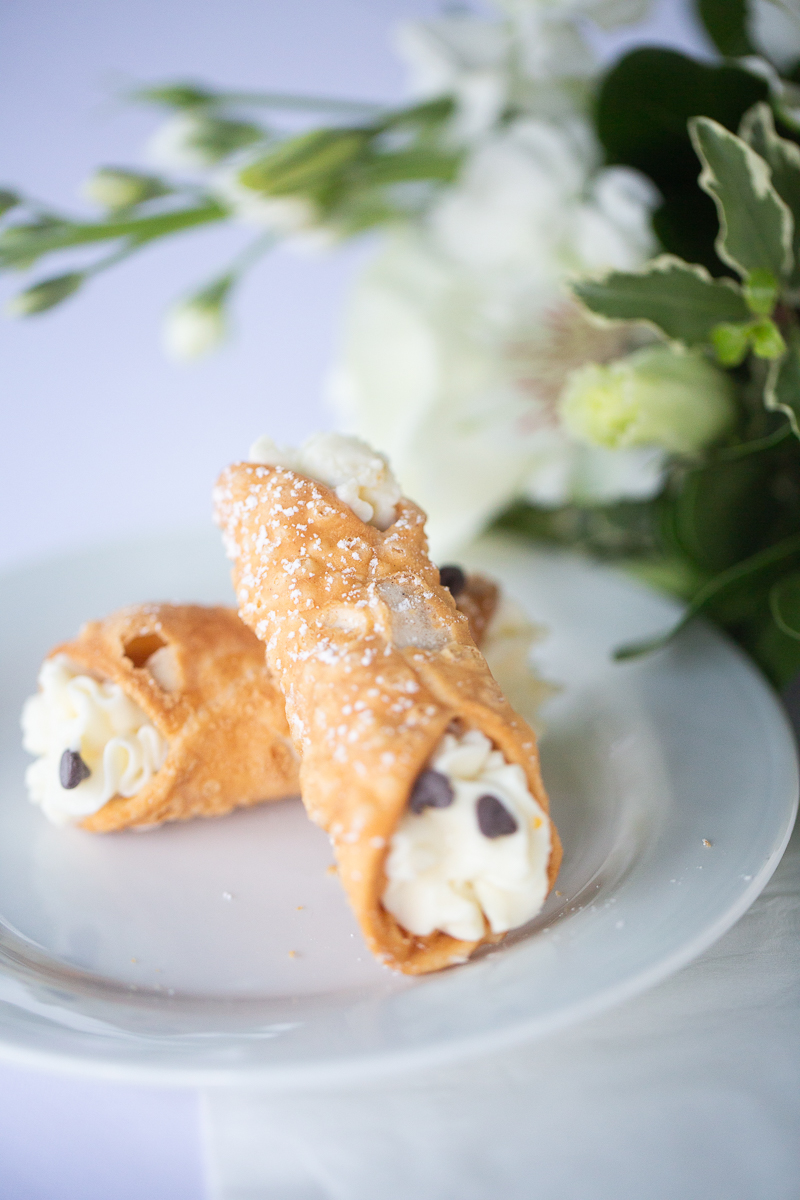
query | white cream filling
(359,475)
(114,738)
(445,874)
(506,646)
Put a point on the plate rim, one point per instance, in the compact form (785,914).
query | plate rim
(367,1066)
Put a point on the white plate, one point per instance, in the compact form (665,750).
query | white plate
(165,957)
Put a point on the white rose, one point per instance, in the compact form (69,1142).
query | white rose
(658,396)
(432,375)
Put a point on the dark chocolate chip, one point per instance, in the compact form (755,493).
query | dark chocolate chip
(494,819)
(432,790)
(72,770)
(453,578)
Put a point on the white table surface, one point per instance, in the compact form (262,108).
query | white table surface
(101,437)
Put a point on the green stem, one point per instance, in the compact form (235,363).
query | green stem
(302,103)
(756,565)
(731,453)
(141,230)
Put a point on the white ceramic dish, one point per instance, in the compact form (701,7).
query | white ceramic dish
(165,957)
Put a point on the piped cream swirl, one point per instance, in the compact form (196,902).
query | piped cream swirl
(359,475)
(120,747)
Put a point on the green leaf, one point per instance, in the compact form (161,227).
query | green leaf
(746,580)
(761,292)
(8,200)
(721,512)
(176,95)
(427,115)
(767,339)
(777,654)
(195,96)
(731,343)
(783,158)
(756,226)
(627,528)
(302,164)
(44,295)
(726,25)
(413,164)
(680,299)
(782,390)
(643,107)
(784,603)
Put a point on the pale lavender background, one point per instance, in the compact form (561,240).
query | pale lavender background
(101,436)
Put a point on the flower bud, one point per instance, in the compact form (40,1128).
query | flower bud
(654,397)
(116,189)
(8,200)
(44,295)
(197,326)
(193,141)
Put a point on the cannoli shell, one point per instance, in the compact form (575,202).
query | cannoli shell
(222,714)
(375,662)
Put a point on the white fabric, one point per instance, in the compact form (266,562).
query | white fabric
(689,1092)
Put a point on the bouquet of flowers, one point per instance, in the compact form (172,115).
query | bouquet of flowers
(580,321)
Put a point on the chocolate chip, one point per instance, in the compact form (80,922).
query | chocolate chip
(432,790)
(453,578)
(72,770)
(494,819)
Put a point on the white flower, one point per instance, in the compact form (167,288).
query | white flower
(193,328)
(460,338)
(774,27)
(536,60)
(658,396)
(460,55)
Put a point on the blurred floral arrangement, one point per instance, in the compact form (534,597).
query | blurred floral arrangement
(563,330)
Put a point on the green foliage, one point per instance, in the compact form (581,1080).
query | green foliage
(643,107)
(761,290)
(176,95)
(679,298)
(348,172)
(756,228)
(734,519)
(8,200)
(782,391)
(719,513)
(783,159)
(622,530)
(726,25)
(732,595)
(305,164)
(45,295)
(784,602)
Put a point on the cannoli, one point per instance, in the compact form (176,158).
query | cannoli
(163,712)
(426,780)
(158,713)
